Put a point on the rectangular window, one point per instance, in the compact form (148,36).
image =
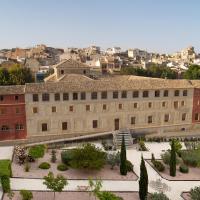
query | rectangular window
(94,95)
(104,107)
(45,97)
(44,127)
(184,93)
(196,117)
(132,120)
(166,119)
(2,111)
(175,104)
(120,106)
(182,103)
(183,116)
(150,119)
(150,104)
(19,127)
(163,104)
(64,126)
(17,110)
(157,93)
(124,94)
(65,96)
(53,109)
(135,94)
(16,98)
(1,97)
(71,108)
(166,93)
(87,107)
(35,110)
(145,94)
(176,93)
(83,95)
(115,95)
(135,105)
(95,124)
(104,95)
(75,96)
(35,97)
(57,97)
(5,128)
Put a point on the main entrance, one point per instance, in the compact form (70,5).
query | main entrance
(116,124)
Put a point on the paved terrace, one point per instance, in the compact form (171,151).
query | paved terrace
(175,187)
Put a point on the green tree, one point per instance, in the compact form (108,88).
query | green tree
(26,194)
(173,159)
(177,145)
(193,72)
(123,168)
(88,157)
(4,77)
(55,184)
(37,151)
(94,186)
(143,182)
(53,156)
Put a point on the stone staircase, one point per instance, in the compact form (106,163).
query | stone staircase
(117,138)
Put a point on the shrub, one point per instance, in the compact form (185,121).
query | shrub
(37,151)
(113,159)
(62,167)
(67,156)
(152,158)
(20,154)
(195,193)
(184,168)
(159,166)
(44,165)
(158,196)
(142,146)
(5,168)
(88,156)
(26,194)
(129,166)
(27,167)
(5,182)
(166,158)
(191,157)
(104,195)
(53,156)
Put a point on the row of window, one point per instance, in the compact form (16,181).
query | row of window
(104,95)
(16,98)
(18,127)
(3,111)
(104,106)
(132,122)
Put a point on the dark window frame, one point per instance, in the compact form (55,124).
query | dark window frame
(35,97)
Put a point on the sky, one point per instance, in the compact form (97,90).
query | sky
(163,26)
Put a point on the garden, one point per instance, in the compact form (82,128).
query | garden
(178,163)
(82,162)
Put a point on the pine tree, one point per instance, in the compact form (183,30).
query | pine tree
(123,168)
(143,182)
(173,159)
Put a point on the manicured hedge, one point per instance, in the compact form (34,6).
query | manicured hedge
(44,165)
(62,167)
(5,182)
(5,168)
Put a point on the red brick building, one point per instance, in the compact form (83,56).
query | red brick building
(12,113)
(196,106)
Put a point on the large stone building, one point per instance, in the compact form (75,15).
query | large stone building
(78,105)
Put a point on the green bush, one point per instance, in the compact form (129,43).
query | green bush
(142,146)
(195,193)
(158,196)
(67,156)
(159,166)
(166,158)
(5,182)
(62,167)
(184,168)
(37,151)
(129,166)
(191,157)
(5,168)
(44,165)
(26,194)
(104,195)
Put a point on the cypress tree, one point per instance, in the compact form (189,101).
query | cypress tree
(143,182)
(173,159)
(123,168)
